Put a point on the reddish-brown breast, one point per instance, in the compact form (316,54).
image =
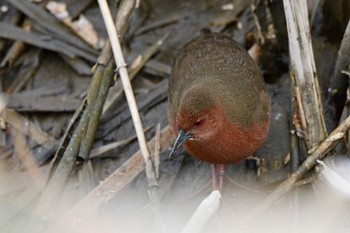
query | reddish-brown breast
(229,143)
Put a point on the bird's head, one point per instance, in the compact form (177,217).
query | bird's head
(199,117)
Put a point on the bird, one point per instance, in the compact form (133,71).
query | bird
(218,106)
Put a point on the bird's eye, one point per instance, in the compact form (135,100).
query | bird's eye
(198,123)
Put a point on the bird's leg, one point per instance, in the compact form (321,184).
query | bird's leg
(214,177)
(221,175)
(218,170)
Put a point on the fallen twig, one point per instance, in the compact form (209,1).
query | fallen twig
(98,152)
(157,68)
(16,49)
(82,27)
(160,23)
(26,127)
(47,21)
(78,65)
(13,19)
(15,33)
(36,103)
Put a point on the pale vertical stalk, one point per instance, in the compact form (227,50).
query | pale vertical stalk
(118,56)
(121,67)
(303,71)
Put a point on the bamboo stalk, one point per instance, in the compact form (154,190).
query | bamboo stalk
(66,155)
(95,104)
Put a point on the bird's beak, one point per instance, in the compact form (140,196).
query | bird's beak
(181,138)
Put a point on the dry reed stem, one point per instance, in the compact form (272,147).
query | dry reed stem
(121,68)
(303,72)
